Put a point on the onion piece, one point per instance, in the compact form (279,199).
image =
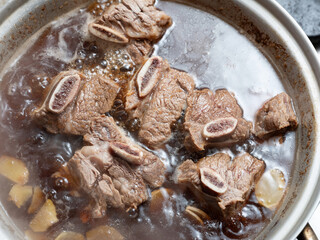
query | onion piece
(14,169)
(104,233)
(270,188)
(38,199)
(20,194)
(158,197)
(70,236)
(29,235)
(45,218)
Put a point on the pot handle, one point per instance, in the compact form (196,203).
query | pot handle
(307,234)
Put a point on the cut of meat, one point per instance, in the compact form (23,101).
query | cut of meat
(139,50)
(90,99)
(239,176)
(163,106)
(104,129)
(275,116)
(220,108)
(107,174)
(187,172)
(109,180)
(131,19)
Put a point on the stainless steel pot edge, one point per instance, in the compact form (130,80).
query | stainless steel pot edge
(8,17)
(297,215)
(8,229)
(309,199)
(8,7)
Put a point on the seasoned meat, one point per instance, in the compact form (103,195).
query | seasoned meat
(129,183)
(214,120)
(276,115)
(72,102)
(131,19)
(108,179)
(164,108)
(239,176)
(84,170)
(163,105)
(188,172)
(104,129)
(219,162)
(139,50)
(104,194)
(113,169)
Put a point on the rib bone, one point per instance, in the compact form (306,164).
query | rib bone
(220,127)
(149,75)
(64,92)
(212,180)
(107,33)
(129,153)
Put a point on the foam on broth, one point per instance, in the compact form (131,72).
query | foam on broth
(215,53)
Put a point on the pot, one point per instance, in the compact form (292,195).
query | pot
(282,42)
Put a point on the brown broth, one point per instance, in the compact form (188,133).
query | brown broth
(215,53)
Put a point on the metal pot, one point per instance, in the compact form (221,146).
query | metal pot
(280,39)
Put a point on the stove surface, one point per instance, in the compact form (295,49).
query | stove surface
(306,13)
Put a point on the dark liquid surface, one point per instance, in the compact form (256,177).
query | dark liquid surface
(216,54)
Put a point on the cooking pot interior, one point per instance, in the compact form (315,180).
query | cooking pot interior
(284,48)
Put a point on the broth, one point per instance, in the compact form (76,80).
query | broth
(219,57)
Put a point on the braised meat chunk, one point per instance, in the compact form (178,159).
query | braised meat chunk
(136,24)
(275,116)
(131,19)
(146,164)
(109,180)
(144,83)
(164,108)
(114,170)
(158,99)
(214,120)
(139,51)
(72,101)
(188,172)
(220,181)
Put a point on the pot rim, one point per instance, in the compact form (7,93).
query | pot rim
(300,212)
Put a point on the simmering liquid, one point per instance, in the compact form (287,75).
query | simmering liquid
(213,52)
